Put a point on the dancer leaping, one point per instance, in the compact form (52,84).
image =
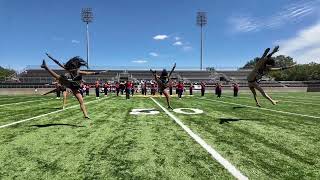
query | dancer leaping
(163,81)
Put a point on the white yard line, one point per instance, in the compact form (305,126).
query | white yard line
(295,98)
(225,163)
(23,102)
(266,109)
(294,102)
(53,112)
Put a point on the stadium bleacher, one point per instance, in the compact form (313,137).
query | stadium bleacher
(38,78)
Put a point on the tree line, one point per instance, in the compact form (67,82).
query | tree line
(5,73)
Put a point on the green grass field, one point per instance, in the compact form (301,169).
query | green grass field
(272,142)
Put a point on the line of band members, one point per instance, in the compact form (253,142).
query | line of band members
(130,88)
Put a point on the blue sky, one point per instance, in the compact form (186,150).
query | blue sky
(157,33)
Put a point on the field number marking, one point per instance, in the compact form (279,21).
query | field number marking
(150,111)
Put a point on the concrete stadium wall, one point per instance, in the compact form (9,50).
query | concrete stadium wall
(23,91)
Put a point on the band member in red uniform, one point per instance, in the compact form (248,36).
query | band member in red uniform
(81,88)
(235,89)
(153,88)
(122,87)
(117,86)
(58,91)
(106,88)
(203,88)
(180,88)
(87,89)
(218,89)
(128,85)
(190,89)
(144,88)
(97,87)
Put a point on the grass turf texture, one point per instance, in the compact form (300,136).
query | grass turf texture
(116,145)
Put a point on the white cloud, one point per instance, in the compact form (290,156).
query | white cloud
(243,24)
(291,13)
(160,37)
(75,41)
(153,54)
(305,46)
(186,48)
(139,61)
(178,43)
(177,38)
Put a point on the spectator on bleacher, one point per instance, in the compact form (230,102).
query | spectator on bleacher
(203,88)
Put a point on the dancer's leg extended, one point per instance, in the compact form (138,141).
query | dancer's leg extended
(82,106)
(165,92)
(44,65)
(65,94)
(251,86)
(265,94)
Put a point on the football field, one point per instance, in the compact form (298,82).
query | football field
(202,138)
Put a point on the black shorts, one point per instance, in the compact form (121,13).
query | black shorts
(73,85)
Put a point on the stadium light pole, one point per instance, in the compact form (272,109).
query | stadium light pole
(201,21)
(87,16)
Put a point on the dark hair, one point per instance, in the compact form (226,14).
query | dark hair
(75,63)
(164,73)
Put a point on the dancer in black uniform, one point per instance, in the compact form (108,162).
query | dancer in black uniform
(162,81)
(71,79)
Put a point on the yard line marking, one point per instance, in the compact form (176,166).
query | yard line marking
(24,102)
(53,112)
(292,97)
(225,163)
(266,109)
(294,102)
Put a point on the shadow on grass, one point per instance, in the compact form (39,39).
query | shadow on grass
(238,107)
(227,120)
(49,125)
